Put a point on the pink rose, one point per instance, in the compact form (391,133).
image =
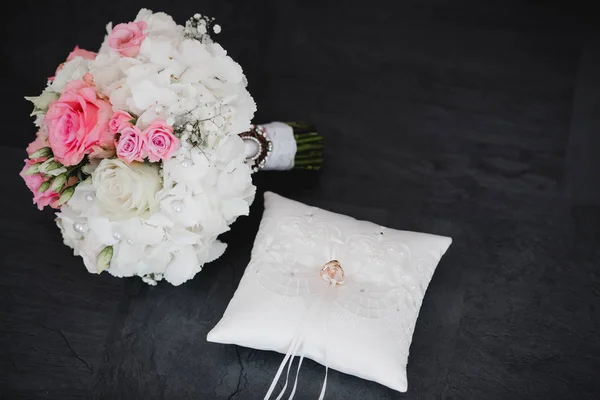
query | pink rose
(77,52)
(78,124)
(33,182)
(131,144)
(160,141)
(127,38)
(119,121)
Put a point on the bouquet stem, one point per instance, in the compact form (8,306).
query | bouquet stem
(309,146)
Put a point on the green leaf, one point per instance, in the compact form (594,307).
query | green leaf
(42,102)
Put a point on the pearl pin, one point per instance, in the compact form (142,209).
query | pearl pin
(117,235)
(78,227)
(89,198)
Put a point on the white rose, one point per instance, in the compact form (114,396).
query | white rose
(126,190)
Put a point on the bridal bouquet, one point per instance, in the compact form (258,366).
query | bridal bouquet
(138,148)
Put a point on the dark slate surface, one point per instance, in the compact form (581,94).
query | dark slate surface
(443,118)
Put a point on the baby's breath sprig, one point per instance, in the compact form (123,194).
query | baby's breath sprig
(189,132)
(200,27)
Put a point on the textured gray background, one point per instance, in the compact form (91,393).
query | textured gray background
(453,118)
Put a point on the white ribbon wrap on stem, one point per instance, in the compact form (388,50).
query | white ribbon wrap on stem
(284,147)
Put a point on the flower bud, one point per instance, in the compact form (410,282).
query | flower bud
(45,164)
(44,186)
(66,195)
(58,182)
(56,172)
(43,152)
(104,259)
(52,166)
(32,170)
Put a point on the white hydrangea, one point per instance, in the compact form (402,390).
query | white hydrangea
(204,191)
(204,188)
(172,76)
(70,71)
(160,24)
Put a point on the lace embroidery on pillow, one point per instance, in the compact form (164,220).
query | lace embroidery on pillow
(382,276)
(289,255)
